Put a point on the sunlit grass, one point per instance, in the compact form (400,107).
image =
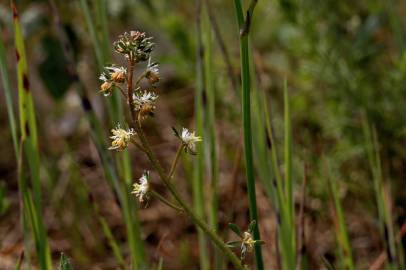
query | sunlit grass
(28,157)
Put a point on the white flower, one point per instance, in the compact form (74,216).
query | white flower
(141,190)
(104,77)
(121,138)
(189,140)
(247,244)
(146,98)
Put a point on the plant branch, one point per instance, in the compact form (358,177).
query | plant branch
(175,162)
(165,201)
(139,146)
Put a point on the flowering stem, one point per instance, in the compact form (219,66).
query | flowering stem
(188,210)
(139,146)
(130,86)
(156,164)
(175,162)
(165,201)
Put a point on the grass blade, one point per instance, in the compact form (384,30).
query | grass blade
(20,261)
(381,195)
(210,117)
(64,263)
(280,192)
(29,139)
(9,98)
(244,24)
(340,226)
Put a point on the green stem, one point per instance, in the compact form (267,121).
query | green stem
(165,201)
(244,25)
(175,162)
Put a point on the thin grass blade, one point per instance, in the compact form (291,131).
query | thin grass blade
(244,25)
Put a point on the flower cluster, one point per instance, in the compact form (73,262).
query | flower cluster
(111,76)
(121,138)
(134,45)
(141,189)
(137,47)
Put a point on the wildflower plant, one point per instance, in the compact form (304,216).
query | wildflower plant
(136,47)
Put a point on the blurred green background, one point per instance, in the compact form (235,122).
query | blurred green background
(344,62)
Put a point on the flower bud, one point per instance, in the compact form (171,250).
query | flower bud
(118,76)
(134,45)
(106,86)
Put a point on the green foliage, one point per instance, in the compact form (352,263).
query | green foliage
(346,261)
(64,263)
(382,197)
